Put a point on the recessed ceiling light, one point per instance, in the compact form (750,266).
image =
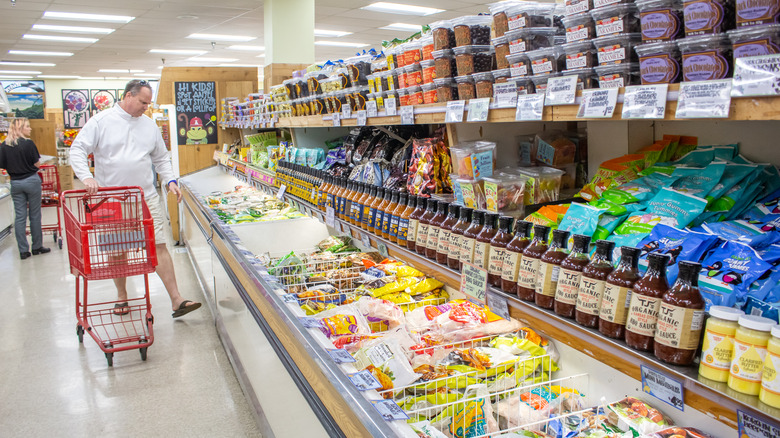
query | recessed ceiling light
(59,38)
(148,75)
(87,17)
(207,59)
(338,44)
(397,8)
(15,77)
(19,72)
(187,17)
(72,29)
(36,53)
(27,64)
(330,33)
(58,77)
(178,52)
(118,70)
(403,27)
(247,48)
(92,78)
(160,67)
(215,37)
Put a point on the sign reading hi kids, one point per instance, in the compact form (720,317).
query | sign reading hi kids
(196,112)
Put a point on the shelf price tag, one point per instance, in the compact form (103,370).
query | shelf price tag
(663,387)
(366,240)
(391,106)
(407,115)
(310,323)
(330,217)
(704,99)
(364,380)
(290,298)
(498,305)
(280,193)
(336,119)
(478,110)
(389,410)
(383,249)
(598,103)
(505,95)
(454,112)
(645,101)
(371,108)
(530,107)
(473,281)
(561,91)
(361,118)
(340,356)
(346,111)
(756,76)
(753,427)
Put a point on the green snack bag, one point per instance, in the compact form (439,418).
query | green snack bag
(666,170)
(668,207)
(696,158)
(639,190)
(616,209)
(607,224)
(698,181)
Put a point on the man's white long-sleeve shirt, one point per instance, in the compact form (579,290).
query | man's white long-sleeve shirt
(124,147)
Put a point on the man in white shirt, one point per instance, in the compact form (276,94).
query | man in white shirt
(125,143)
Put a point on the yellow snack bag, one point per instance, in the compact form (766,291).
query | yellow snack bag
(339,325)
(426,285)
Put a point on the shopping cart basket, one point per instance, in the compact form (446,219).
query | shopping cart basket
(50,198)
(110,235)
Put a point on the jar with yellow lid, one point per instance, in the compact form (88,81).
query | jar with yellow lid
(750,343)
(718,347)
(770,383)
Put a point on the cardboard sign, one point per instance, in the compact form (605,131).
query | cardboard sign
(667,389)
(473,281)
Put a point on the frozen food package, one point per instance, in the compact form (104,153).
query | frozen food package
(638,416)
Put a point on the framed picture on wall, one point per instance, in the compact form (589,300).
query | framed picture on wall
(75,108)
(23,87)
(30,105)
(102,100)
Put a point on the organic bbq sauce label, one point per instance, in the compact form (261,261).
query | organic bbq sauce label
(547,280)
(643,314)
(589,296)
(411,233)
(756,12)
(758,47)
(422,235)
(511,266)
(481,254)
(658,69)
(679,327)
(704,66)
(467,249)
(702,17)
(526,275)
(496,260)
(568,286)
(659,25)
(444,241)
(433,237)
(614,304)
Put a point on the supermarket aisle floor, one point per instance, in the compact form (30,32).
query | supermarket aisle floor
(50,385)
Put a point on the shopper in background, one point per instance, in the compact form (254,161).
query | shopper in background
(20,158)
(125,143)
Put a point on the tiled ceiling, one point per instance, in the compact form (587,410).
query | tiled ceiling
(164,24)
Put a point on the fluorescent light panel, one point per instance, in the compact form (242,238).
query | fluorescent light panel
(397,8)
(240,65)
(247,48)
(71,29)
(178,52)
(118,70)
(403,27)
(330,33)
(208,59)
(37,53)
(57,77)
(75,16)
(58,38)
(15,77)
(338,44)
(19,72)
(92,78)
(149,75)
(27,64)
(216,37)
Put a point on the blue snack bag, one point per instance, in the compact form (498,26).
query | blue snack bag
(762,308)
(668,207)
(727,273)
(678,244)
(699,157)
(698,181)
(753,233)
(581,219)
(732,175)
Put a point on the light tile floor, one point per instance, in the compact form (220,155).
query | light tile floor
(50,385)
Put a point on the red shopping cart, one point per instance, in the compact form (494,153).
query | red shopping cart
(110,235)
(50,198)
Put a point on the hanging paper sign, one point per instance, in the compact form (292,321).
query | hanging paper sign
(478,110)
(530,107)
(561,90)
(505,95)
(391,106)
(407,115)
(473,281)
(665,388)
(196,112)
(102,100)
(756,76)
(361,118)
(454,112)
(336,119)
(498,305)
(704,99)
(645,101)
(371,108)
(598,104)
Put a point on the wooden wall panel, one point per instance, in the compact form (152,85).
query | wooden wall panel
(274,74)
(194,157)
(43,136)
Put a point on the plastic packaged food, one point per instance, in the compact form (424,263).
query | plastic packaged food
(579,54)
(403,95)
(544,184)
(750,350)
(413,75)
(526,40)
(705,57)
(444,62)
(708,16)
(502,75)
(616,76)
(540,81)
(616,19)
(579,27)
(359,68)
(474,59)
(426,47)
(500,20)
(428,71)
(660,20)
(770,392)
(524,85)
(554,148)
(659,63)
(443,35)
(472,30)
(574,7)
(414,96)
(429,93)
(466,89)
(483,83)
(616,49)
(585,77)
(592,284)
(412,53)
(531,15)
(505,194)
(548,60)
(751,14)
(502,50)
(519,65)
(754,41)
(638,417)
(446,89)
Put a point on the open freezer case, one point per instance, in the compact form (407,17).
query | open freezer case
(295,378)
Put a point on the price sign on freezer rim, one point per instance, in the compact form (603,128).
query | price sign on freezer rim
(704,99)
(280,193)
(498,305)
(645,101)
(366,240)
(310,322)
(340,356)
(290,298)
(364,380)
(750,426)
(389,410)
(473,281)
(330,217)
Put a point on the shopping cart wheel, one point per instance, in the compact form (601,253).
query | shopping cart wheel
(143,352)
(110,359)
(80,333)
(59,242)
(55,237)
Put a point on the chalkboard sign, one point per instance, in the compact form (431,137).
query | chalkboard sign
(196,112)
(75,108)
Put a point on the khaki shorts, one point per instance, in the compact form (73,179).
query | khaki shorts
(156,210)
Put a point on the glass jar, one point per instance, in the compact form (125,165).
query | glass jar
(617,293)
(528,271)
(550,269)
(680,318)
(593,283)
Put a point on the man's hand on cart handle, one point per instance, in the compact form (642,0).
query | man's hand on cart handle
(173,187)
(91,185)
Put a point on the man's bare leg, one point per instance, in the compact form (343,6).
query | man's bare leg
(121,289)
(167,274)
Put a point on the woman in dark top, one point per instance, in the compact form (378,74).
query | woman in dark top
(20,158)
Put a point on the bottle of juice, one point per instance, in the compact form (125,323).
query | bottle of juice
(514,254)
(423,226)
(469,239)
(498,250)
(482,241)
(414,223)
(396,217)
(434,228)
(549,269)
(388,216)
(529,264)
(456,235)
(770,384)
(646,296)
(569,278)
(442,251)
(750,350)
(375,215)
(680,318)
(718,347)
(617,294)
(592,284)
(403,221)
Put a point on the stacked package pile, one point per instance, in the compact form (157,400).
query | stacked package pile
(246,204)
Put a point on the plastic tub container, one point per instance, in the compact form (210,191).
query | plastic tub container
(483,83)
(754,41)
(617,75)
(660,20)
(501,75)
(414,96)
(390,56)
(359,98)
(474,59)
(524,84)
(616,49)
(706,57)
(413,75)
(472,30)
(446,89)
(426,47)
(579,54)
(412,53)
(544,184)
(531,15)
(429,94)
(472,193)
(574,7)
(703,17)
(372,80)
(443,35)
(659,63)
(604,3)
(540,81)
(428,69)
(519,64)
(526,40)
(579,27)
(549,60)
(502,50)
(359,68)
(403,97)
(616,19)
(466,87)
(505,194)
(400,74)
(392,94)
(500,21)
(585,77)
(756,14)
(444,62)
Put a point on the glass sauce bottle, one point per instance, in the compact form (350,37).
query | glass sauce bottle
(346,202)
(434,229)
(456,235)
(592,283)
(403,220)
(529,263)
(550,269)
(387,218)
(374,215)
(326,194)
(442,251)
(468,240)
(482,241)
(380,211)
(364,201)
(680,318)
(617,294)
(422,227)
(646,296)
(337,196)
(498,250)
(367,208)
(353,204)
(513,256)
(396,217)
(357,204)
(569,277)
(414,223)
